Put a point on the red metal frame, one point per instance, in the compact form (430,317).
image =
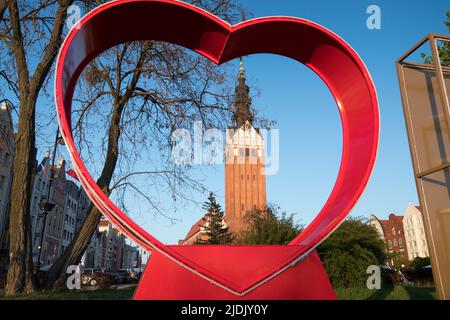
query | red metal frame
(324,52)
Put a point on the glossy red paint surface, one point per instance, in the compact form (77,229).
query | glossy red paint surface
(165,280)
(318,48)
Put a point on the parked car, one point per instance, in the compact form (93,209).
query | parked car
(122,276)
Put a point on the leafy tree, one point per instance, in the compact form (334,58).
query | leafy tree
(443,49)
(269,227)
(419,263)
(415,272)
(348,252)
(398,262)
(215,231)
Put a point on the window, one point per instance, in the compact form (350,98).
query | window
(390,244)
(253,177)
(415,243)
(242,207)
(400,243)
(393,231)
(242,177)
(395,242)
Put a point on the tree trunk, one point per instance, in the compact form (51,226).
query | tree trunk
(20,271)
(3,6)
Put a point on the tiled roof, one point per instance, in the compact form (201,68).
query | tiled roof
(104,223)
(195,228)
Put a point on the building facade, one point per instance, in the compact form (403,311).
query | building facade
(404,235)
(70,213)
(416,240)
(53,235)
(7,150)
(108,250)
(392,232)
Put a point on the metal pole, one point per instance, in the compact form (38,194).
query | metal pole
(46,208)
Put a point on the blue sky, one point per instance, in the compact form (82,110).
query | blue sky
(308,119)
(306,115)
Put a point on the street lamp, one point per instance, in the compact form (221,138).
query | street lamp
(47,206)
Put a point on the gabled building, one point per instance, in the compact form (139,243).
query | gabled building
(416,240)
(197,232)
(392,232)
(404,235)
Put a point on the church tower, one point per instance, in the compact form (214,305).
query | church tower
(245,180)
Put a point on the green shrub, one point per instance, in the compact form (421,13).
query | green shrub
(349,251)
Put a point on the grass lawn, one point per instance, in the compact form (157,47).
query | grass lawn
(104,294)
(387,293)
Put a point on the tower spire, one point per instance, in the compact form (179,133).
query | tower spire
(241,69)
(242,103)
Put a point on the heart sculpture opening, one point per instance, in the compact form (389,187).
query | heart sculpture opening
(337,64)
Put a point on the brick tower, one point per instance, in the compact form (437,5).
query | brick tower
(245,181)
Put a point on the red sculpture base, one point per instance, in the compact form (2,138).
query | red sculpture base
(164,279)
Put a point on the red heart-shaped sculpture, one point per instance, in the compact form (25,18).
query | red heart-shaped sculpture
(321,50)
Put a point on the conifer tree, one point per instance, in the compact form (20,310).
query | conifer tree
(215,231)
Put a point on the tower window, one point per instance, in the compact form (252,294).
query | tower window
(253,177)
(242,177)
(247,152)
(248,177)
(242,207)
